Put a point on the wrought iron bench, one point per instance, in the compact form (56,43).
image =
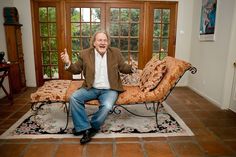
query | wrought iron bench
(60,90)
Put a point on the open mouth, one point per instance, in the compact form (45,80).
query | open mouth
(102,46)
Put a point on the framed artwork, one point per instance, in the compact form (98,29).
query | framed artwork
(208,20)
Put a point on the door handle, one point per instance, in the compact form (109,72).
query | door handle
(235,64)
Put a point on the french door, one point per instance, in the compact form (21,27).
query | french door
(140,30)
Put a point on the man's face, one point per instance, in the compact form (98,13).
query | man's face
(101,43)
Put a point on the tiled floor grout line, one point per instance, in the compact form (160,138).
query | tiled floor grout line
(113,147)
(143,147)
(55,150)
(172,149)
(26,148)
(84,151)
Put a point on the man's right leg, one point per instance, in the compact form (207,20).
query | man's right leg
(77,106)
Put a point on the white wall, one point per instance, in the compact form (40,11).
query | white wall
(23,7)
(183,34)
(211,58)
(231,58)
(3,47)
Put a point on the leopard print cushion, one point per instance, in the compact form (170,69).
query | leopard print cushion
(131,79)
(152,74)
(175,69)
(54,90)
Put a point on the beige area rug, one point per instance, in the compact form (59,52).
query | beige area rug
(52,117)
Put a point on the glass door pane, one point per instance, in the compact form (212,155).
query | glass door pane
(161,29)
(84,22)
(48,42)
(124,27)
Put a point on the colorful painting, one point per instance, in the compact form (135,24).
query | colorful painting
(208,20)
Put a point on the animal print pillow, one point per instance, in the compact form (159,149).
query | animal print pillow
(132,79)
(152,74)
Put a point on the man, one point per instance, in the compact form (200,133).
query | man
(101,65)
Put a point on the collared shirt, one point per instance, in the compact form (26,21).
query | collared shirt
(101,76)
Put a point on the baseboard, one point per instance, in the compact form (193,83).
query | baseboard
(206,97)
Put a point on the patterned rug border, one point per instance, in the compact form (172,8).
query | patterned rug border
(188,132)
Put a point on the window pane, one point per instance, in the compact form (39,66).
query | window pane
(134,56)
(44,44)
(51,14)
(114,29)
(134,15)
(52,29)
(124,29)
(46,72)
(53,43)
(162,55)
(115,42)
(96,14)
(74,57)
(165,30)
(134,44)
(156,44)
(75,14)
(166,15)
(75,29)
(48,40)
(95,27)
(43,15)
(157,30)
(124,44)
(125,55)
(161,32)
(43,29)
(157,15)
(164,44)
(85,14)
(75,44)
(85,29)
(46,57)
(134,29)
(124,14)
(85,43)
(54,58)
(54,72)
(114,14)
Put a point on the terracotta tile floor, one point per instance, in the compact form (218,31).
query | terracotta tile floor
(214,129)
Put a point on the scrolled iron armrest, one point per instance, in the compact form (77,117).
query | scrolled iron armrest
(193,70)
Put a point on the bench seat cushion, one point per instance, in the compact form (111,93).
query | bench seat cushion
(53,90)
(132,94)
